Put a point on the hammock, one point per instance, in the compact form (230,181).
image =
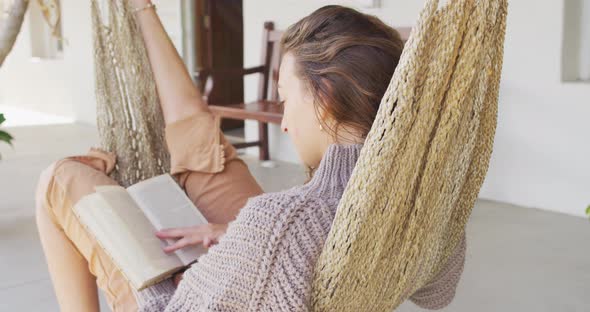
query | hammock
(412,191)
(129,118)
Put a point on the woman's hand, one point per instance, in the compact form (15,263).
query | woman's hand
(207,234)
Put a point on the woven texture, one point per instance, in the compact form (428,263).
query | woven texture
(412,191)
(129,118)
(266,259)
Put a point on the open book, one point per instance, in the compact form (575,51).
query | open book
(124,221)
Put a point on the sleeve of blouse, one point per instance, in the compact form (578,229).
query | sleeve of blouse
(441,291)
(208,168)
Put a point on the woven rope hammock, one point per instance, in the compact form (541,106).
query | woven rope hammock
(412,191)
(129,118)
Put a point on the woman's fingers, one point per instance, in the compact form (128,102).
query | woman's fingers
(207,234)
(183,242)
(175,232)
(177,245)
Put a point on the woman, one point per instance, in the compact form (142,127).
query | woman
(336,67)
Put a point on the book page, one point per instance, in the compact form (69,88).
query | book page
(166,206)
(126,234)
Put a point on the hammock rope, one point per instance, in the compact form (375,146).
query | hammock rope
(129,118)
(413,188)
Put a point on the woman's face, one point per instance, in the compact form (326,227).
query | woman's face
(300,118)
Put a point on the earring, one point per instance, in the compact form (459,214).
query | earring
(321,128)
(284,129)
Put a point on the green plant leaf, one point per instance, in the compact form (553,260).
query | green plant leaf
(4,136)
(588,210)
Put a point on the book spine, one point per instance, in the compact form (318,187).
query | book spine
(161,278)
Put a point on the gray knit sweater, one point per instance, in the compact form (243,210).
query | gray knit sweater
(265,260)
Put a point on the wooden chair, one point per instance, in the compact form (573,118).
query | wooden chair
(266,109)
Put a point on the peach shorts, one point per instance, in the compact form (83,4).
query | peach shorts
(202,160)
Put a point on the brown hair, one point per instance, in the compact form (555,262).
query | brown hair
(346,59)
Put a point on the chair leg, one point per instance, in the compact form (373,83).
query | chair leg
(263,138)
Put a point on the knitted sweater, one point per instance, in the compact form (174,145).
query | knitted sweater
(265,260)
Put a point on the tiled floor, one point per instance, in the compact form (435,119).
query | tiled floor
(518,259)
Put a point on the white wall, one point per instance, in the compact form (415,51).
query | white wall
(542,149)
(576,41)
(65,86)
